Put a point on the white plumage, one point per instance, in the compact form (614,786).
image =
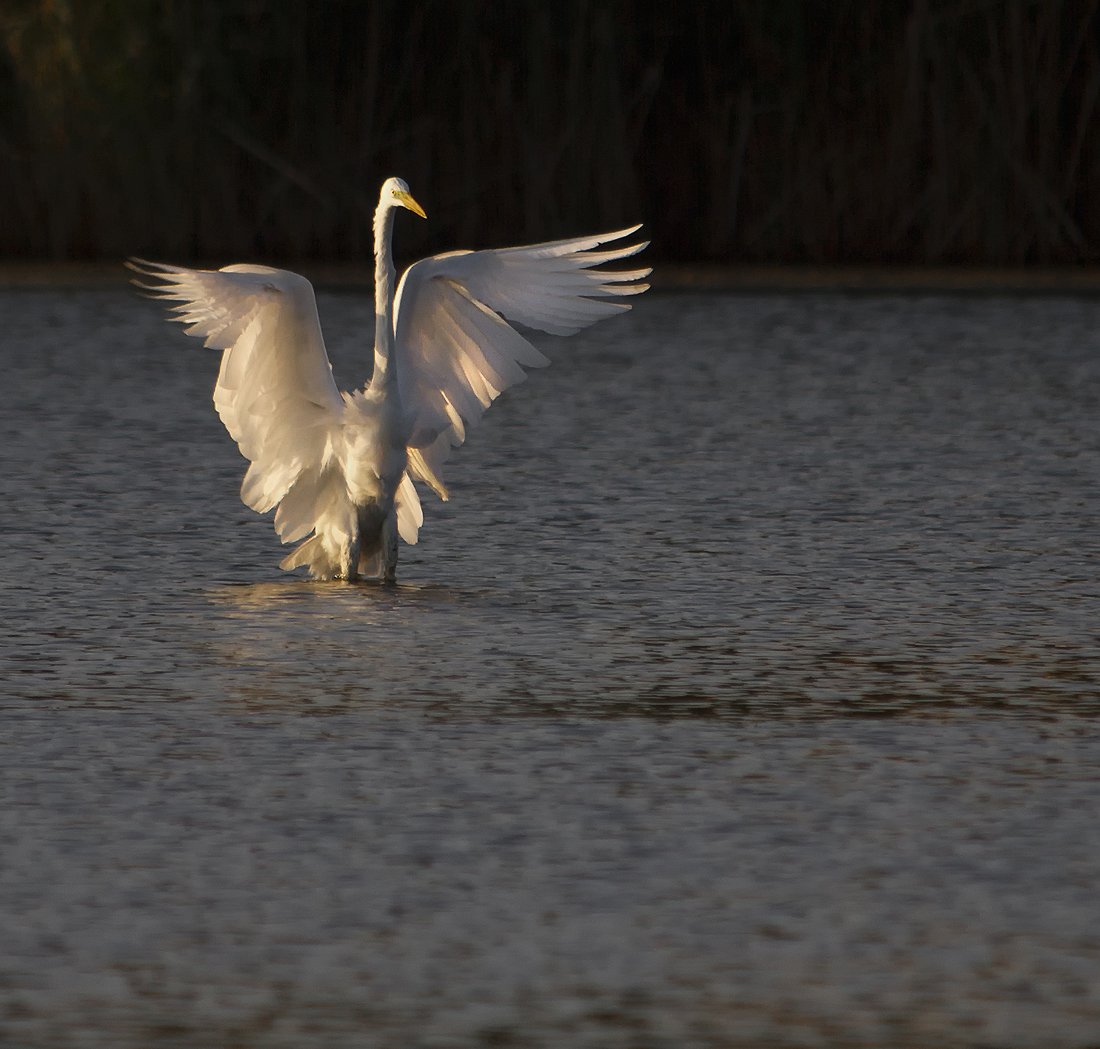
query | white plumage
(338,468)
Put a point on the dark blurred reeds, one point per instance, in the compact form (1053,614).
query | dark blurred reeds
(927,131)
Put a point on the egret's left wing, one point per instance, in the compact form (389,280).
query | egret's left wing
(456,350)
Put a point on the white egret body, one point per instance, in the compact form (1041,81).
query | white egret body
(338,468)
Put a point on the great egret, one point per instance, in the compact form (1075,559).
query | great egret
(338,468)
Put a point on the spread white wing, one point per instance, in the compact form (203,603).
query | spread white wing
(275,391)
(456,350)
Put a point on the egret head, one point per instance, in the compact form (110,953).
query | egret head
(395,193)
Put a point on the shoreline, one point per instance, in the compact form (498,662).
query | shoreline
(671,277)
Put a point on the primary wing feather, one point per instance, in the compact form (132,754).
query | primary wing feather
(456,351)
(275,392)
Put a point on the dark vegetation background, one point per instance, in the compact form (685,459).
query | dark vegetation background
(820,131)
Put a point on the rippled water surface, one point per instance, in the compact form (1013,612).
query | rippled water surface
(743,694)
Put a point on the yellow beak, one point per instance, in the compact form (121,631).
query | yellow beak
(410,203)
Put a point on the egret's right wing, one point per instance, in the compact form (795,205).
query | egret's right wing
(275,391)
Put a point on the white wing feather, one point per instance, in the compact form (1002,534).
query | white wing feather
(455,350)
(275,391)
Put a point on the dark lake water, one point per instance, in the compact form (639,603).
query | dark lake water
(744,694)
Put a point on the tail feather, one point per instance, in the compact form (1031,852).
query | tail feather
(318,502)
(311,555)
(410,515)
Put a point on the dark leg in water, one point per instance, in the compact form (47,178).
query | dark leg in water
(389,548)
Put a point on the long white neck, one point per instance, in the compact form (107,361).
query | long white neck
(384,374)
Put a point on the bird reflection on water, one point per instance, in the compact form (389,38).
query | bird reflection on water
(292,642)
(366,602)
